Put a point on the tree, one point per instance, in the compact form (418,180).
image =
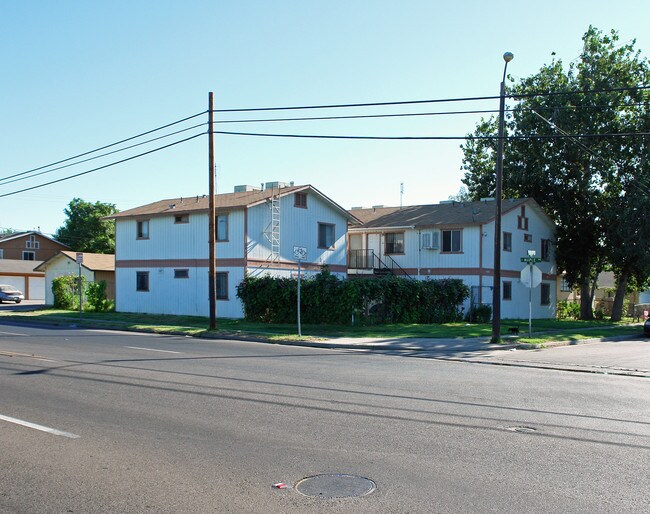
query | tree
(84,229)
(577,180)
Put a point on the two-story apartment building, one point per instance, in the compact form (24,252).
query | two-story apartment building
(456,240)
(162,249)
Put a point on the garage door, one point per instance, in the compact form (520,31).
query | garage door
(17,282)
(36,288)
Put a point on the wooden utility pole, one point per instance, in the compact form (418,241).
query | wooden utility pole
(212,271)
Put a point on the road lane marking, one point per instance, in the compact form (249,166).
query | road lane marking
(27,355)
(149,349)
(13,334)
(42,428)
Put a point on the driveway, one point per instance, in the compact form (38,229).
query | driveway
(25,305)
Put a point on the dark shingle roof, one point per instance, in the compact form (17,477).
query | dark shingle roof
(453,213)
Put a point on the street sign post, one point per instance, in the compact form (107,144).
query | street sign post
(299,253)
(531,276)
(80,260)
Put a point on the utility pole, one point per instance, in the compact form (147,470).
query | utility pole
(212,271)
(496,286)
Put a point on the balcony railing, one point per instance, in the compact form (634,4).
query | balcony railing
(368,260)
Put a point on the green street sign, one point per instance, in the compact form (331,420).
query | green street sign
(531,260)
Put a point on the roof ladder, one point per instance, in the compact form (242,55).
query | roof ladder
(273,230)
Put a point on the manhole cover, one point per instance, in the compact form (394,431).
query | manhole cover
(335,486)
(524,430)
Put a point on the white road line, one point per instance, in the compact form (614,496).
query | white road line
(149,349)
(49,430)
(13,334)
(26,355)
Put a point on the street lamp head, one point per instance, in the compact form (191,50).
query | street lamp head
(508,56)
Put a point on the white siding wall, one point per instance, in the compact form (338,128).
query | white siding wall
(298,227)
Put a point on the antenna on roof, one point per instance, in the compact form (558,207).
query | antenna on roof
(401,193)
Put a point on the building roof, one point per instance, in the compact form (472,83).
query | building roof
(91,261)
(18,266)
(223,202)
(16,235)
(447,213)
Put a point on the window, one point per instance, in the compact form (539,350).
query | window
(182,218)
(325,235)
(564,285)
(222,227)
(2,253)
(522,220)
(143,229)
(32,243)
(507,290)
(181,273)
(222,286)
(300,200)
(528,238)
(546,294)
(507,242)
(394,242)
(451,241)
(142,281)
(546,250)
(29,256)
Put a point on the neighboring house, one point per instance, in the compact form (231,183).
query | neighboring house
(29,246)
(22,276)
(162,250)
(95,267)
(456,240)
(603,296)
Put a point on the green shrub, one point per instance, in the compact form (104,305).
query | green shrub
(96,296)
(567,310)
(479,313)
(328,299)
(66,291)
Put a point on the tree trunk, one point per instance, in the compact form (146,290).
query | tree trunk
(586,307)
(621,289)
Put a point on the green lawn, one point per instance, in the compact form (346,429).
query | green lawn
(543,329)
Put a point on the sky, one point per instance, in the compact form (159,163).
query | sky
(77,76)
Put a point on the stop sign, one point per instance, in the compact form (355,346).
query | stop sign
(531,279)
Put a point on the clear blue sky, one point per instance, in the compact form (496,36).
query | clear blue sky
(79,75)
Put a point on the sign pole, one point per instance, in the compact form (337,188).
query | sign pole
(80,259)
(299,327)
(530,302)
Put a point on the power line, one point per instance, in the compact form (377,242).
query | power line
(4,181)
(108,146)
(428,138)
(103,167)
(438,100)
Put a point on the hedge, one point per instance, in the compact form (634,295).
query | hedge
(328,299)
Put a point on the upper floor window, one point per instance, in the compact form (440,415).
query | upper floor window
(29,256)
(142,281)
(182,218)
(394,242)
(300,200)
(142,230)
(546,250)
(2,253)
(528,238)
(507,242)
(564,285)
(522,220)
(32,243)
(222,227)
(326,235)
(452,241)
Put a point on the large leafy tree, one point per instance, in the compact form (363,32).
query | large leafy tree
(84,229)
(577,180)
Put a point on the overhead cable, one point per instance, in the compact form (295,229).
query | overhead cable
(103,167)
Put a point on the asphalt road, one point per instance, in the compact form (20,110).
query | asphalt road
(174,424)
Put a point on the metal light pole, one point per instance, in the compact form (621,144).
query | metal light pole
(498,193)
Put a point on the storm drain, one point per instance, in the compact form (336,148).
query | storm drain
(522,429)
(335,486)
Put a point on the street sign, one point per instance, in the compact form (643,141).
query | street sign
(300,253)
(80,258)
(531,276)
(530,260)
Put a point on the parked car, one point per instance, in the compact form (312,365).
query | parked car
(646,327)
(10,294)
